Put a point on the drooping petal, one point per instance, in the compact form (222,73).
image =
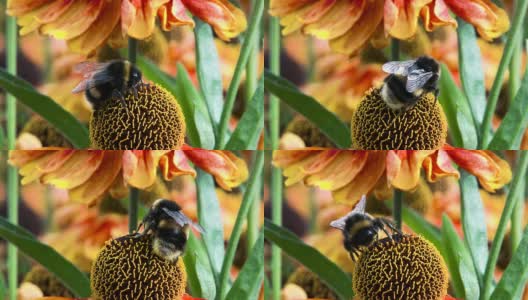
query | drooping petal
(74,21)
(228,170)
(489,20)
(365,181)
(332,176)
(439,165)
(339,18)
(404,166)
(140,167)
(76,170)
(283,158)
(99,31)
(19,7)
(317,160)
(492,171)
(227,20)
(34,169)
(143,22)
(46,13)
(282,7)
(101,180)
(401,17)
(359,34)
(173,14)
(128,14)
(436,14)
(175,163)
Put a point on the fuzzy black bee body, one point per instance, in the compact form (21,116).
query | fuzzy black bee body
(361,229)
(103,81)
(169,228)
(408,81)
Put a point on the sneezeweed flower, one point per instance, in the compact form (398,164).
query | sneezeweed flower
(150,119)
(378,171)
(401,267)
(350,25)
(47,282)
(128,268)
(375,126)
(90,175)
(87,25)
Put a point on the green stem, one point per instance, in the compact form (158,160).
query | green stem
(397,208)
(247,46)
(12,175)
(395,49)
(247,200)
(511,199)
(251,86)
(276,176)
(133,209)
(311,58)
(520,13)
(132,50)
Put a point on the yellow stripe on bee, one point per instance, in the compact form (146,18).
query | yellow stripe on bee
(358,226)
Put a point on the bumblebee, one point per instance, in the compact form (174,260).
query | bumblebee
(408,81)
(169,228)
(361,229)
(103,81)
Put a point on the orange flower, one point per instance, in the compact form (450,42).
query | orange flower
(86,25)
(89,175)
(350,24)
(378,171)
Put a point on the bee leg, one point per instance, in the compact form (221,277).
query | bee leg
(390,225)
(117,94)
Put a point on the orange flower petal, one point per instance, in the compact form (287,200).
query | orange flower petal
(100,181)
(50,162)
(140,167)
(317,10)
(316,161)
(283,158)
(175,163)
(75,20)
(19,158)
(229,171)
(439,165)
(436,14)
(337,21)
(99,31)
(332,177)
(365,181)
(173,14)
(227,20)
(76,170)
(282,7)
(128,14)
(143,22)
(18,7)
(492,171)
(401,17)
(358,35)
(404,166)
(490,20)
(45,13)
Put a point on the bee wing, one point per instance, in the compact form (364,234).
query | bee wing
(92,81)
(182,219)
(358,209)
(416,79)
(398,67)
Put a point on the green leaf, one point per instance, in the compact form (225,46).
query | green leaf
(199,276)
(457,257)
(312,259)
(250,277)
(210,217)
(457,111)
(208,69)
(471,72)
(513,125)
(65,271)
(198,109)
(475,233)
(48,109)
(329,124)
(515,276)
(249,128)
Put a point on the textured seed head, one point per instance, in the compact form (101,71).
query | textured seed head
(309,133)
(46,133)
(127,268)
(47,282)
(311,284)
(152,120)
(375,126)
(407,267)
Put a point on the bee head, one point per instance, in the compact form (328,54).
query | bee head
(427,64)
(134,76)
